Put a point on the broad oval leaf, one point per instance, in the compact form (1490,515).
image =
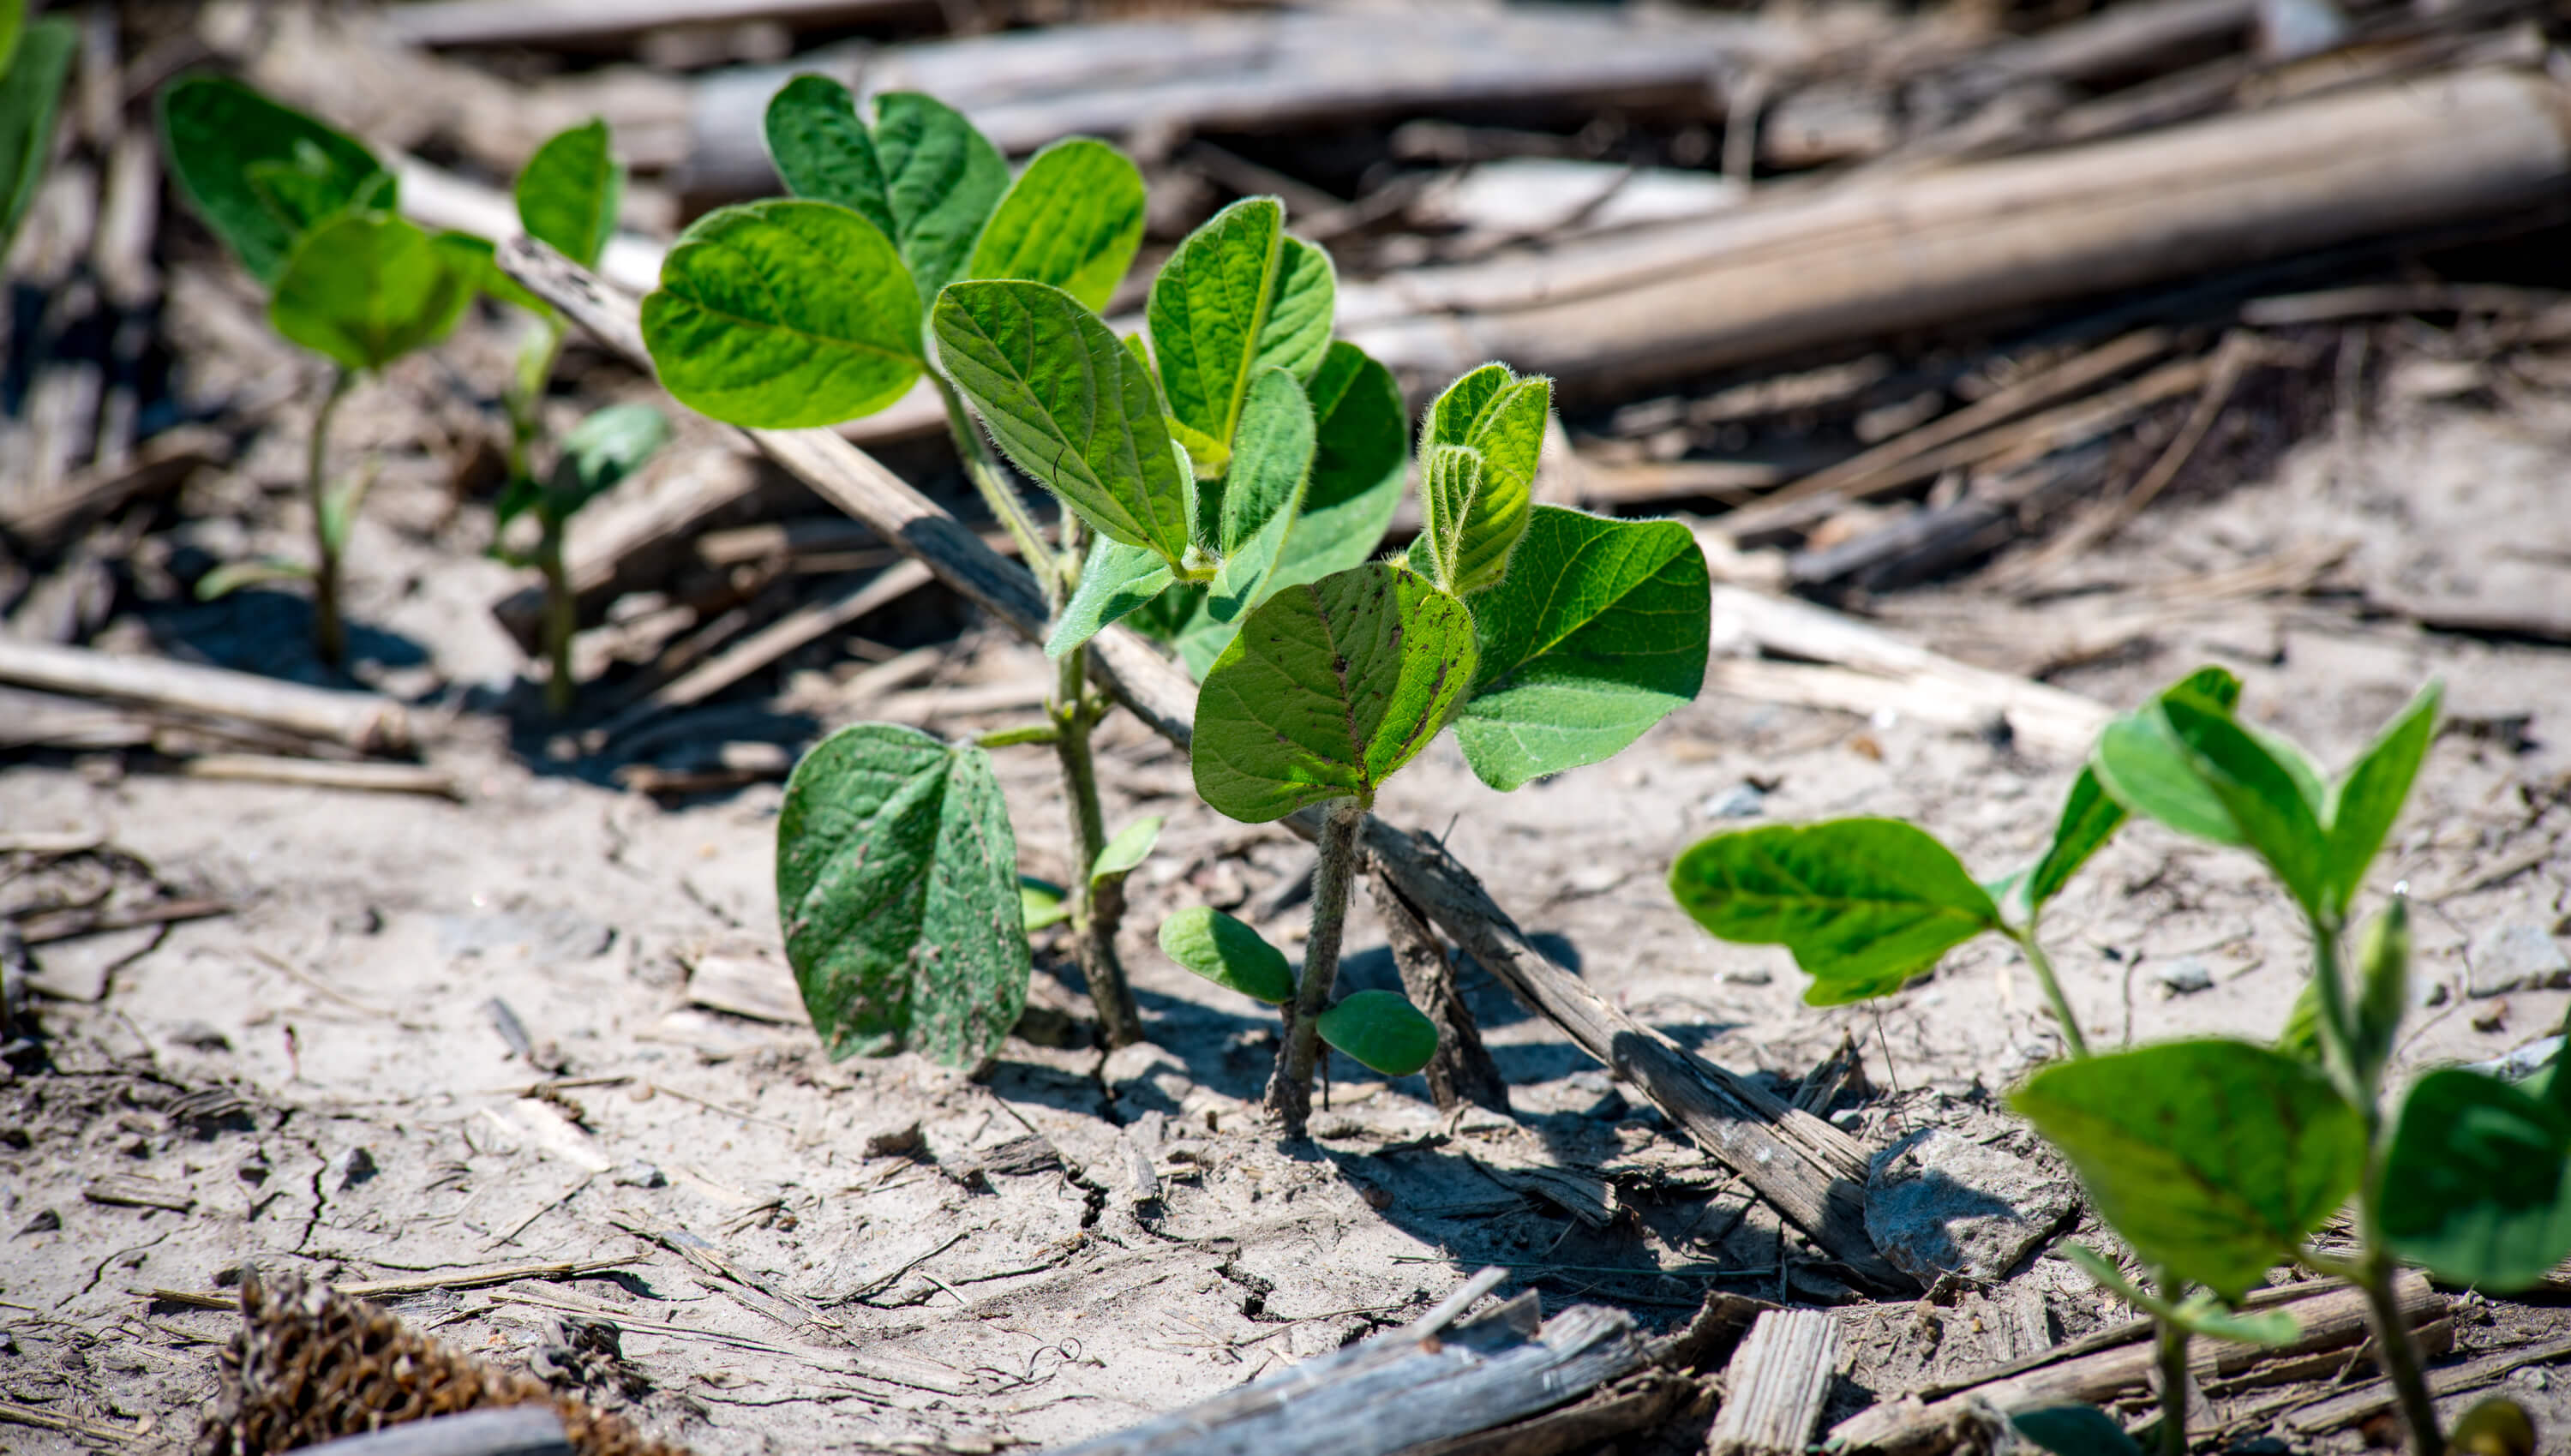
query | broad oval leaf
(216,131)
(1073,219)
(2214,1159)
(1238,296)
(1864,905)
(1381,1030)
(923,173)
(33,62)
(1328,689)
(1360,454)
(2091,815)
(1070,405)
(366,289)
(1131,846)
(2270,801)
(784,316)
(1116,580)
(568,193)
(2371,796)
(1229,953)
(1271,462)
(1501,418)
(2477,1184)
(2142,764)
(1600,630)
(897,882)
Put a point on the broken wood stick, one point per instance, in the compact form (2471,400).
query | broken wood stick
(1872,257)
(1776,1383)
(585,25)
(1427,1382)
(366,777)
(366,722)
(417,1285)
(44,519)
(1461,1071)
(2332,1318)
(1809,1171)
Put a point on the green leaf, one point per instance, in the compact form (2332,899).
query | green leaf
(1114,579)
(2371,793)
(232,576)
(1238,296)
(2382,984)
(2142,764)
(216,131)
(2495,1426)
(2074,1430)
(13,24)
(477,260)
(1380,1030)
(2477,1184)
(1073,219)
(1500,417)
(2200,1313)
(1271,462)
(1864,905)
(1069,405)
(1328,689)
(568,191)
(2214,1159)
(368,288)
(1130,847)
(1360,455)
(306,193)
(602,451)
(1450,476)
(2259,788)
(2091,815)
(784,316)
(33,62)
(924,175)
(1229,953)
(1599,631)
(897,880)
(1041,903)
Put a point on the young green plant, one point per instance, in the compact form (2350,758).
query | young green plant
(603,449)
(2216,1158)
(34,59)
(1548,638)
(308,211)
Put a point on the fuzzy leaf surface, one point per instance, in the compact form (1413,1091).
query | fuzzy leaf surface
(2477,1186)
(1599,631)
(1069,405)
(1501,418)
(922,174)
(1864,905)
(568,191)
(1381,1030)
(784,316)
(1073,219)
(1328,689)
(1116,580)
(896,879)
(216,132)
(366,289)
(1238,296)
(1361,451)
(2214,1159)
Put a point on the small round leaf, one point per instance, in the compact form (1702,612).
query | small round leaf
(1381,1030)
(1229,953)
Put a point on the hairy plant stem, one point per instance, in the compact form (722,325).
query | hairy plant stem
(1290,1090)
(2374,1262)
(1097,905)
(2172,1338)
(983,468)
(329,633)
(2043,967)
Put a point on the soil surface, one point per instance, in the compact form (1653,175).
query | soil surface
(433,1036)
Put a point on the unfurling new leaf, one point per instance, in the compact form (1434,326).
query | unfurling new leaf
(922,174)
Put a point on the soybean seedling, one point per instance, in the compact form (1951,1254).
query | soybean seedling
(1550,638)
(2216,1158)
(308,212)
(567,198)
(33,61)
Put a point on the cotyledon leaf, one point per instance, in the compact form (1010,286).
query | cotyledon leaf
(1070,404)
(922,174)
(783,314)
(1599,631)
(1073,219)
(1328,689)
(896,879)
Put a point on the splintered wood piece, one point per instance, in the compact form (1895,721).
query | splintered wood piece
(363,720)
(1774,1385)
(1811,1171)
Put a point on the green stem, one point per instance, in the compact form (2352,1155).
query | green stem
(983,468)
(2392,1337)
(2173,1366)
(2043,966)
(330,635)
(526,394)
(1032,732)
(562,616)
(1097,910)
(1290,1091)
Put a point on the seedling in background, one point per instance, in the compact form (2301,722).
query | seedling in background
(308,211)
(600,451)
(33,61)
(2216,1158)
